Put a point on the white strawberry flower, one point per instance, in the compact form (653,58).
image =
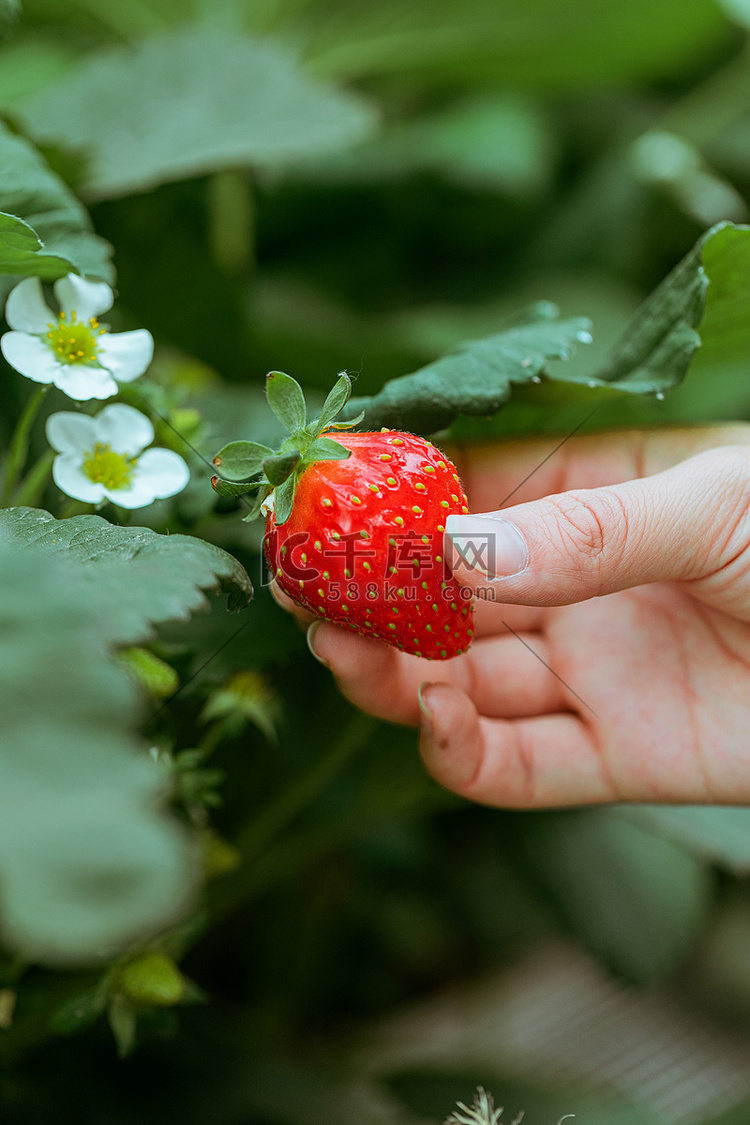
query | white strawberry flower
(70,348)
(102,458)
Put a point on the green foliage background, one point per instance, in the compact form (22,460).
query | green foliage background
(445,198)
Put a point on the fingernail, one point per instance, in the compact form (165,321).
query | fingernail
(494,547)
(424,710)
(311,643)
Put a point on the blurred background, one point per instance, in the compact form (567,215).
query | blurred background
(324,185)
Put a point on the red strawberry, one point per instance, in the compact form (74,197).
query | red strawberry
(361,543)
(363,546)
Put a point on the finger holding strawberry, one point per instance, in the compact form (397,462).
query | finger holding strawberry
(355,523)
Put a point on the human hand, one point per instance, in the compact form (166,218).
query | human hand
(615,664)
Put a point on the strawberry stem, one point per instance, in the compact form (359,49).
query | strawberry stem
(241,461)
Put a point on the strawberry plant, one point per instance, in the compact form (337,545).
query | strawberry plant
(509,222)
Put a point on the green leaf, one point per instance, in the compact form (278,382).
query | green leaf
(682,357)
(88,864)
(283,498)
(715,386)
(161,115)
(636,899)
(337,399)
(20,252)
(326,449)
(146,578)
(123,1021)
(147,670)
(652,355)
(241,459)
(151,978)
(476,379)
(719,834)
(724,329)
(31,191)
(286,399)
(350,423)
(700,304)
(79,1012)
(254,506)
(279,469)
(230,489)
(656,349)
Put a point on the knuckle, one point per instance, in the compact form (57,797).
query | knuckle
(591,523)
(729,478)
(734,470)
(526,774)
(731,461)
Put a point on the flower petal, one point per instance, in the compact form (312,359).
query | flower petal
(71,479)
(158,473)
(165,470)
(31,356)
(81,382)
(85,298)
(124,428)
(126,354)
(71,433)
(139,495)
(26,310)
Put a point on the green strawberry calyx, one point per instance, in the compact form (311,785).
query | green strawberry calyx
(247,466)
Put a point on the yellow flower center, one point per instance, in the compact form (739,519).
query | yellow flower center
(103,466)
(74,341)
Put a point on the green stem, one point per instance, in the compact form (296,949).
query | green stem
(211,739)
(12,971)
(298,796)
(305,848)
(231,221)
(75,508)
(124,516)
(31,1026)
(19,444)
(33,484)
(267,824)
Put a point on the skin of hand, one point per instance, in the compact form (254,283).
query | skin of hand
(612,655)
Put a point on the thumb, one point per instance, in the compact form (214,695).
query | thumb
(686,523)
